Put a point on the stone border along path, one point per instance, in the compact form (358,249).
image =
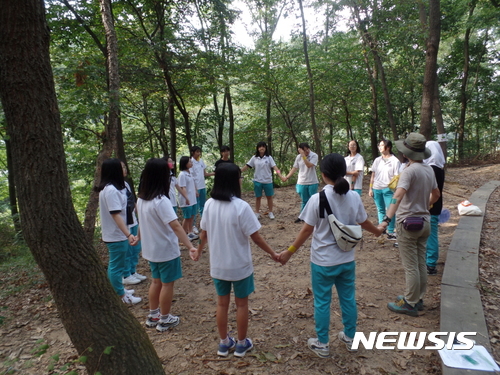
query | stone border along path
(461,306)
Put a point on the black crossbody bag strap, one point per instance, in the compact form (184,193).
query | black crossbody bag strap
(323,205)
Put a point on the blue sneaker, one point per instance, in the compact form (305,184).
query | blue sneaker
(402,307)
(419,305)
(242,349)
(225,348)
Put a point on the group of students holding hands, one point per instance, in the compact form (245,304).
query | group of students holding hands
(227,224)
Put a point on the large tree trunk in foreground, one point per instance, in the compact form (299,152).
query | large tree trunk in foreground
(90,310)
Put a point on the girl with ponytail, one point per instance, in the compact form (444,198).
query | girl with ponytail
(329,264)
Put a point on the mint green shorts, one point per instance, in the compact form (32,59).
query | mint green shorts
(242,288)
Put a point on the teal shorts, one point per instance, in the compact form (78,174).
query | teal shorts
(168,271)
(189,212)
(242,288)
(258,187)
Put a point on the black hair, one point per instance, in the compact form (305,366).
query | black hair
(387,144)
(183,163)
(155,179)
(111,173)
(225,148)
(358,149)
(171,171)
(304,145)
(226,182)
(333,166)
(260,144)
(194,149)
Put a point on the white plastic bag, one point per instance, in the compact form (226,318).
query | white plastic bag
(466,208)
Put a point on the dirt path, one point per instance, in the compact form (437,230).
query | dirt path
(281,315)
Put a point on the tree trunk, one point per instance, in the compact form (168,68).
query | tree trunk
(375,131)
(173,129)
(231,119)
(113,140)
(369,42)
(438,116)
(93,316)
(312,100)
(463,88)
(269,127)
(12,188)
(430,74)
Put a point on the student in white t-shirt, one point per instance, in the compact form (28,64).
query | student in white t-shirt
(187,199)
(115,232)
(384,168)
(160,233)
(174,186)
(263,165)
(131,276)
(329,264)
(199,172)
(307,182)
(227,224)
(355,167)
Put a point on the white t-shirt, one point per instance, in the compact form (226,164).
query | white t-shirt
(186,180)
(112,199)
(385,170)
(159,242)
(228,226)
(355,163)
(198,172)
(262,168)
(172,193)
(348,209)
(307,176)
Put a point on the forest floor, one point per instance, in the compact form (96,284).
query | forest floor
(281,309)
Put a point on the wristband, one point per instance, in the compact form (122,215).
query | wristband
(387,219)
(394,201)
(303,157)
(292,249)
(371,185)
(352,182)
(130,234)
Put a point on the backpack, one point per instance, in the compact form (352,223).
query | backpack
(347,236)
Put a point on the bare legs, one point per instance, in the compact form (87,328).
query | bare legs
(241,316)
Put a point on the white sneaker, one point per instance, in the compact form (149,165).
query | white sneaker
(321,350)
(195,230)
(271,216)
(129,291)
(139,276)
(192,236)
(130,299)
(347,341)
(131,280)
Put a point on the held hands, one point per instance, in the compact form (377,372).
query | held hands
(133,240)
(195,253)
(284,178)
(275,257)
(284,257)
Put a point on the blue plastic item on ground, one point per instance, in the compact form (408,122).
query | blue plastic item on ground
(444,216)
